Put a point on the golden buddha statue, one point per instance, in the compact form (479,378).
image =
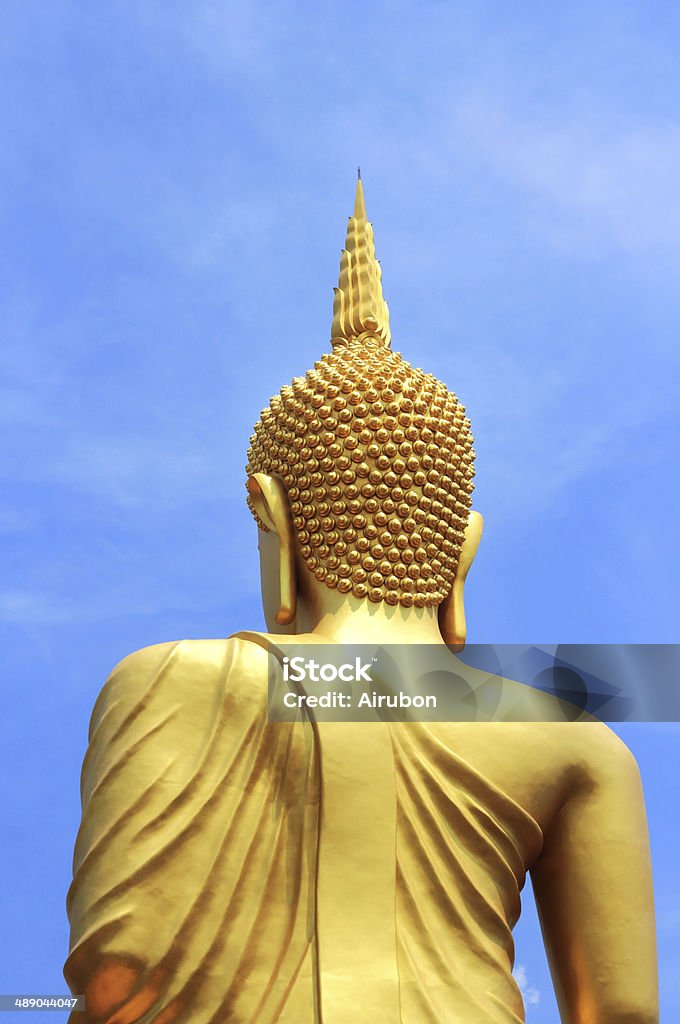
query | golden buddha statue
(231,868)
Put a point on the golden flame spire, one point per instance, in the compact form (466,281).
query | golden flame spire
(359,308)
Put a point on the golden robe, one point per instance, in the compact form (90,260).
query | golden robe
(246,871)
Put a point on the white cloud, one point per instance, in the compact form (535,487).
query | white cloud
(23,606)
(530,995)
(237,36)
(618,184)
(131,472)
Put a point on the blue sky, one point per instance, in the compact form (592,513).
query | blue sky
(176,179)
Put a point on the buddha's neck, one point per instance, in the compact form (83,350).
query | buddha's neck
(341,619)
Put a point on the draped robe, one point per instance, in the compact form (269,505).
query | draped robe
(245,871)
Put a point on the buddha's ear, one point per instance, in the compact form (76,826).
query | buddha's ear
(452,610)
(269,499)
(267,496)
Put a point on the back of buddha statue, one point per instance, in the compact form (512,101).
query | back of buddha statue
(332,865)
(232,867)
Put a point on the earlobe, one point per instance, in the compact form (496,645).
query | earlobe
(452,610)
(270,500)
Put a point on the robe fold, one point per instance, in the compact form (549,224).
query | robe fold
(249,872)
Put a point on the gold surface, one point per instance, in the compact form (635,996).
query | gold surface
(359,307)
(375,455)
(232,869)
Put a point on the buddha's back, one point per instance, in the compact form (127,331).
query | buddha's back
(479,806)
(230,868)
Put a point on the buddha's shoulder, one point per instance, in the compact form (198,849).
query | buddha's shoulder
(211,656)
(587,751)
(191,671)
(596,750)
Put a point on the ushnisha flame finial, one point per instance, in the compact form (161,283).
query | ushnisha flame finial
(359,309)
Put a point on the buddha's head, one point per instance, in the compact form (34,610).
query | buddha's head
(360,472)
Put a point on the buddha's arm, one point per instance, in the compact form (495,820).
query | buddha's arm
(594,890)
